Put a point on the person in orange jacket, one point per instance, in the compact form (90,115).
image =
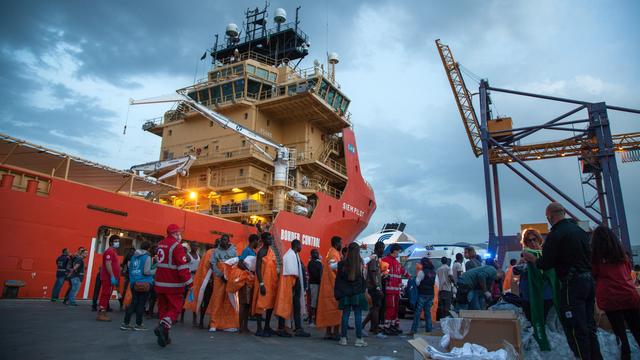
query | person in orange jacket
(328,315)
(509,277)
(172,276)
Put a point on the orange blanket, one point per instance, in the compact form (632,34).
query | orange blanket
(191,302)
(270,279)
(328,313)
(508,276)
(236,278)
(284,298)
(222,312)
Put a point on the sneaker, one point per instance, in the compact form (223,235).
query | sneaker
(312,325)
(102,316)
(365,334)
(212,329)
(343,341)
(380,335)
(231,330)
(301,333)
(140,328)
(160,334)
(410,334)
(283,333)
(360,343)
(262,334)
(126,327)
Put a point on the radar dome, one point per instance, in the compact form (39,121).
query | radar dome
(280,16)
(333,58)
(232,30)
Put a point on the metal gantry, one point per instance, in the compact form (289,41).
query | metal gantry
(594,145)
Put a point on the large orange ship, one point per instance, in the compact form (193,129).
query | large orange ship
(286,156)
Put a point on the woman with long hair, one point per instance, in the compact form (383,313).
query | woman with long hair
(349,290)
(615,293)
(532,240)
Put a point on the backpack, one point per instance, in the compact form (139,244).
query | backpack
(140,281)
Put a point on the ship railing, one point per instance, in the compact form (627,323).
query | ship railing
(152,123)
(24,181)
(239,181)
(229,154)
(242,208)
(275,30)
(322,186)
(307,156)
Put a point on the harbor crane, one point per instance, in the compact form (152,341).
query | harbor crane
(498,142)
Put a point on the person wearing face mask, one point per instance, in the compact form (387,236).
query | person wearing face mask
(172,276)
(109,276)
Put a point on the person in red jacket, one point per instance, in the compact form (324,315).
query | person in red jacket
(392,290)
(616,294)
(109,276)
(172,276)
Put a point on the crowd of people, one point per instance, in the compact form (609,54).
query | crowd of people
(567,270)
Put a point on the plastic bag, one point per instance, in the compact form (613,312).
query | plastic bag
(467,352)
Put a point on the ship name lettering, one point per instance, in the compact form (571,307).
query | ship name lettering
(352,209)
(309,240)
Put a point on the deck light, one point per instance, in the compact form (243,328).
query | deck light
(193,195)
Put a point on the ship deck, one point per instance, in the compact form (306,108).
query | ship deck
(43,164)
(39,329)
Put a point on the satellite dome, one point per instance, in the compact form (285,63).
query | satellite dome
(232,30)
(333,58)
(280,16)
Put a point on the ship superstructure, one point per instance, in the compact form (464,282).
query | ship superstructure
(256,82)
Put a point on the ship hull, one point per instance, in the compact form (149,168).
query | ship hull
(36,228)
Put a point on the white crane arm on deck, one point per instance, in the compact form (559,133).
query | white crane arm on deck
(280,163)
(217,118)
(181,166)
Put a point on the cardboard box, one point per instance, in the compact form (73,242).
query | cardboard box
(419,349)
(491,329)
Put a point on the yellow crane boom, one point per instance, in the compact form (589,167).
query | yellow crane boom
(462,97)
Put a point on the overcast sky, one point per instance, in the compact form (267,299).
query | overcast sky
(68,68)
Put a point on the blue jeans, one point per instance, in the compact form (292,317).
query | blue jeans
(75,286)
(57,286)
(475,298)
(357,312)
(424,303)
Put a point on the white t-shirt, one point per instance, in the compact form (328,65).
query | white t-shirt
(444,283)
(456,268)
(195,261)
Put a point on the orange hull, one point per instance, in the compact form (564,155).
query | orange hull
(35,228)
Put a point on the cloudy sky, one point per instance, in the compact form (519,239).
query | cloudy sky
(68,68)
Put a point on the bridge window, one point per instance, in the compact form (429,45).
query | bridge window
(331,95)
(253,88)
(216,97)
(203,95)
(251,69)
(239,88)
(227,91)
(323,89)
(337,102)
(262,73)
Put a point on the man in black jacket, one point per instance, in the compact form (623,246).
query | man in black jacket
(61,273)
(567,250)
(314,267)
